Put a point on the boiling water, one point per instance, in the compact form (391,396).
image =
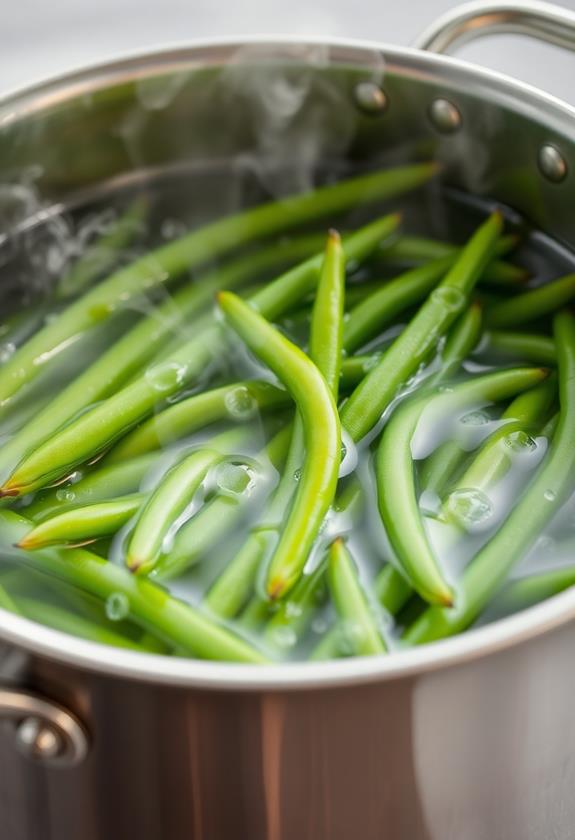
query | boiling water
(39,250)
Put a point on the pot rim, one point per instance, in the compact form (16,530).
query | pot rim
(117,662)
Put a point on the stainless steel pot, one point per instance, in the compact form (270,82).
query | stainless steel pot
(468,739)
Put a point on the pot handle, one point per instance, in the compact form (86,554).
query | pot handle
(465,23)
(44,730)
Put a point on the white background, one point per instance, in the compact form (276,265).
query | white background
(41,38)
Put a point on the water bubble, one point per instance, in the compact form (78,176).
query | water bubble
(319,625)
(470,507)
(475,418)
(65,495)
(240,403)
(297,474)
(234,479)
(284,637)
(451,298)
(6,351)
(293,609)
(520,442)
(117,606)
(166,376)
(550,495)
(172,228)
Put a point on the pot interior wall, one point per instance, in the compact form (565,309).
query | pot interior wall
(284,112)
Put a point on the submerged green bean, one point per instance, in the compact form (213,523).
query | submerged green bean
(101,485)
(148,605)
(84,524)
(522,418)
(367,403)
(128,355)
(194,249)
(533,304)
(171,497)
(396,490)
(351,603)
(525,591)
(412,250)
(238,401)
(109,420)
(541,500)
(521,347)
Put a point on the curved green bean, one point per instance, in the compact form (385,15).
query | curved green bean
(350,602)
(148,605)
(105,423)
(322,436)
(367,403)
(182,255)
(84,524)
(543,497)
(396,490)
(533,304)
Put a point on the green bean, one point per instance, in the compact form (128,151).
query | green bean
(294,615)
(396,491)
(461,339)
(439,469)
(543,497)
(412,250)
(101,485)
(325,341)
(379,310)
(523,417)
(148,605)
(103,254)
(109,420)
(322,437)
(84,524)
(7,602)
(194,249)
(172,495)
(60,618)
(351,603)
(217,518)
(522,347)
(523,592)
(367,403)
(391,590)
(532,304)
(237,401)
(127,356)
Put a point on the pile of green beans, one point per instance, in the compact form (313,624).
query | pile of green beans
(319,446)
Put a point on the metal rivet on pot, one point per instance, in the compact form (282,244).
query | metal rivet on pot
(552,163)
(38,740)
(370,98)
(445,116)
